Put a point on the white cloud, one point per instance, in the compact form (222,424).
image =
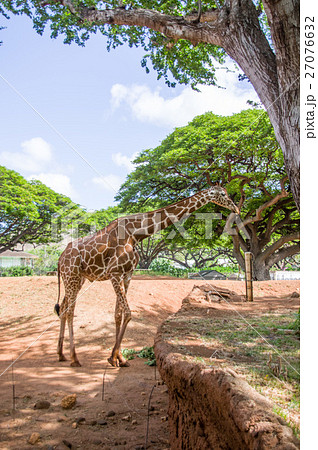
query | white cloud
(35,155)
(124,161)
(109,182)
(58,182)
(150,106)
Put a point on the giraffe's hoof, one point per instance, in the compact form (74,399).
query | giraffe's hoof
(112,362)
(76,364)
(124,363)
(62,358)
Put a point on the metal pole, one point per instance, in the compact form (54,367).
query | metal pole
(248,276)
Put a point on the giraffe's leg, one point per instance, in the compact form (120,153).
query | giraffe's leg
(62,331)
(118,321)
(121,325)
(122,361)
(71,292)
(74,360)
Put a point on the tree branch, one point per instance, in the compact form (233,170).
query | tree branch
(271,202)
(278,244)
(174,27)
(284,253)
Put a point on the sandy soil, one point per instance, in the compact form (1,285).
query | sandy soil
(29,330)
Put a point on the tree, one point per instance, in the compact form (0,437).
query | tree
(149,249)
(198,257)
(47,258)
(262,36)
(28,209)
(248,162)
(96,220)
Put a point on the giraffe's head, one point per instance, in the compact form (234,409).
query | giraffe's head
(219,195)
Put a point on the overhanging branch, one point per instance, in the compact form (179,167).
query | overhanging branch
(258,215)
(174,27)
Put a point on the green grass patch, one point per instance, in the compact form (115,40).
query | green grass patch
(146,353)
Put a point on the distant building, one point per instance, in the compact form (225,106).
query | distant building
(11,258)
(285,275)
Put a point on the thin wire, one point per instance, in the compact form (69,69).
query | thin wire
(250,325)
(148,415)
(58,133)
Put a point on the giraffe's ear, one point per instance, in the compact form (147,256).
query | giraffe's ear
(101,248)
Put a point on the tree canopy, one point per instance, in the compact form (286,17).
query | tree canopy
(28,209)
(184,38)
(247,161)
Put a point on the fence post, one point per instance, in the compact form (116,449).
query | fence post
(248,276)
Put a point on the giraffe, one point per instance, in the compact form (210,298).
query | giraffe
(111,254)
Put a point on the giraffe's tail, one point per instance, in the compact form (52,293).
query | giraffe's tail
(57,306)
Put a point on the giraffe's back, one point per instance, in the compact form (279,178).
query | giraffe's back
(99,256)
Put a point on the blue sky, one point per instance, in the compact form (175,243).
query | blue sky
(86,112)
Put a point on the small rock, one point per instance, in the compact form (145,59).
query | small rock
(68,401)
(101,422)
(62,419)
(80,420)
(74,425)
(42,404)
(127,418)
(111,413)
(164,419)
(134,422)
(143,393)
(34,438)
(92,422)
(67,443)
(295,295)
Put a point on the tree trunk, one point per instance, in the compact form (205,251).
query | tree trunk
(284,21)
(275,77)
(260,272)
(144,263)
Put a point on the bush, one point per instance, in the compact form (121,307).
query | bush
(17,271)
(164,267)
(47,259)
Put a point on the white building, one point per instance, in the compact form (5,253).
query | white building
(11,258)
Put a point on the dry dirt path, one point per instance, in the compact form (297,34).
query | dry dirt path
(26,309)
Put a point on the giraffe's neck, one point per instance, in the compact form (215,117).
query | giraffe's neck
(143,225)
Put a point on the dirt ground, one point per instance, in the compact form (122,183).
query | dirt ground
(113,404)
